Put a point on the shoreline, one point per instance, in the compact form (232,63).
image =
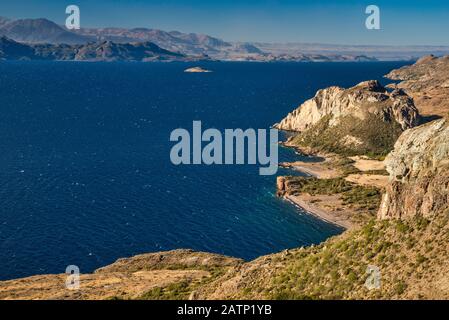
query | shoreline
(316,169)
(319,170)
(328,208)
(320,213)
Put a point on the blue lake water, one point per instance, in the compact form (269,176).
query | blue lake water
(85,173)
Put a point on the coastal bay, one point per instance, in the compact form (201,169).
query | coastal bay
(329,207)
(98,163)
(389,232)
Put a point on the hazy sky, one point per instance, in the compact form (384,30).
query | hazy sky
(338,21)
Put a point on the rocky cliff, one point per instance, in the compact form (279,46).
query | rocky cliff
(419,161)
(368,97)
(363,119)
(427,81)
(419,173)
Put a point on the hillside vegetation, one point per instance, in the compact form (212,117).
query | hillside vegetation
(362,120)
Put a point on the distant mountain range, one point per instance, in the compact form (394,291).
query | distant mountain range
(33,31)
(94,51)
(39,31)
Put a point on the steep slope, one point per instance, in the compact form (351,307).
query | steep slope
(419,173)
(365,119)
(411,257)
(427,81)
(407,244)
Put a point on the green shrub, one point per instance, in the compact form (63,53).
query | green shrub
(376,136)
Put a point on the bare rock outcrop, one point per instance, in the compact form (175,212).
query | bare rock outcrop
(366,119)
(359,101)
(419,173)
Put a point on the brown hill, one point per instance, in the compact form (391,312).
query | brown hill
(427,81)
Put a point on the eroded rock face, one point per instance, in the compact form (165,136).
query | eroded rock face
(280,186)
(419,173)
(368,97)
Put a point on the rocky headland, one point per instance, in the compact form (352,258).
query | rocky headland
(364,119)
(399,227)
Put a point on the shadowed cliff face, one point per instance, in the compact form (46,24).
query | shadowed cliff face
(365,119)
(419,173)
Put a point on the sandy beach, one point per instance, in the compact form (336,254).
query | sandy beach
(330,207)
(338,218)
(320,170)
